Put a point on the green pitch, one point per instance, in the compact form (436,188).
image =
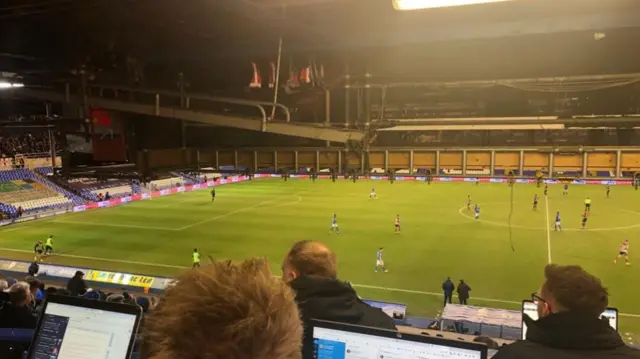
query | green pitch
(439,236)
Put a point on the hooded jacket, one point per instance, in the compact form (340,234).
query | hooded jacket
(568,336)
(334,300)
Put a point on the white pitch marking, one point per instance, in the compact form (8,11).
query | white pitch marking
(355,285)
(541,228)
(115,225)
(244,209)
(13,229)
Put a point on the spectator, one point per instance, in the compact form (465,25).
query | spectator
(226,310)
(34,285)
(570,303)
(310,269)
(34,268)
(76,285)
(448,287)
(91,294)
(463,292)
(107,196)
(17,313)
(3,285)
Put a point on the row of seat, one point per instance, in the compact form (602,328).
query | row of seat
(43,203)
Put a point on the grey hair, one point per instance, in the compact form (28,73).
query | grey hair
(3,285)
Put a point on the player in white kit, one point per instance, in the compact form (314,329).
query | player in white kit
(380,261)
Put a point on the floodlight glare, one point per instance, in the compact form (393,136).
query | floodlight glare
(405,5)
(8,85)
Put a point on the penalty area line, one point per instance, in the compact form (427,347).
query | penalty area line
(365,286)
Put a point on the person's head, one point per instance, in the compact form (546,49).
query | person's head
(231,310)
(309,258)
(195,250)
(79,274)
(571,289)
(461,281)
(3,285)
(20,294)
(34,284)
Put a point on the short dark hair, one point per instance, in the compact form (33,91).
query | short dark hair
(575,289)
(313,258)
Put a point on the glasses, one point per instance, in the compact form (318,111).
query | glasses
(536,298)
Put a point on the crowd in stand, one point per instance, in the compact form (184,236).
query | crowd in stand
(241,310)
(23,144)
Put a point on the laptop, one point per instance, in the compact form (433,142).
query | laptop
(78,328)
(331,340)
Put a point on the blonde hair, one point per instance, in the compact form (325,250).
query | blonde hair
(226,310)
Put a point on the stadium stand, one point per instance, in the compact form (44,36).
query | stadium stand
(90,188)
(166,183)
(23,188)
(23,143)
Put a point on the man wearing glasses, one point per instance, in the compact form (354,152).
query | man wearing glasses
(569,305)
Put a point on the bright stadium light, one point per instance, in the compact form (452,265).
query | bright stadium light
(405,5)
(8,85)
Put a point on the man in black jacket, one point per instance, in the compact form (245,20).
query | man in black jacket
(570,303)
(76,285)
(463,292)
(310,270)
(447,288)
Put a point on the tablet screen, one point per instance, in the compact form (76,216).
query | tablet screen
(73,332)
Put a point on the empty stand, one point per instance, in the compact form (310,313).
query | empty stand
(23,188)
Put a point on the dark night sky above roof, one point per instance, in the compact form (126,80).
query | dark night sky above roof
(41,34)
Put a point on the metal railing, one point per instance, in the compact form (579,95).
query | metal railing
(183,100)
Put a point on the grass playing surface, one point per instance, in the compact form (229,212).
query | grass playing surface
(439,237)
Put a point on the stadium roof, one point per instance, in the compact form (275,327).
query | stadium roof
(36,35)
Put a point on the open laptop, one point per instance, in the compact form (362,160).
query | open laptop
(77,328)
(331,340)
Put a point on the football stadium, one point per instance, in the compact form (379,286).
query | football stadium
(432,186)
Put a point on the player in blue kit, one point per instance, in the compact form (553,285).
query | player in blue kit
(535,202)
(585,217)
(334,224)
(558,226)
(608,190)
(380,261)
(477,210)
(468,202)
(546,189)
(373,193)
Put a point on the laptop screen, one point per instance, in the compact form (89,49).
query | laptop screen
(339,344)
(73,332)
